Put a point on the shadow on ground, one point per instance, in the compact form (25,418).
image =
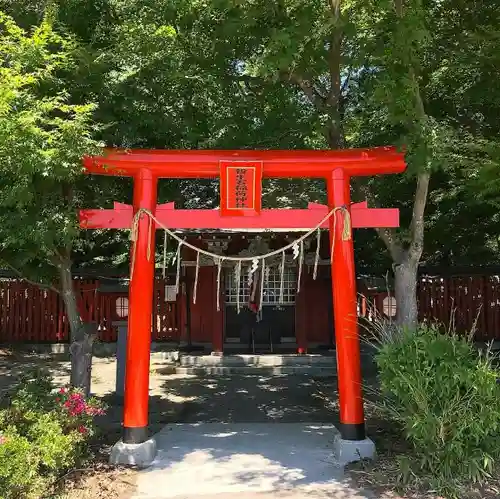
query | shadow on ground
(241,398)
(14,364)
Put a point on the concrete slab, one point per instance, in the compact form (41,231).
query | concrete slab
(249,459)
(140,455)
(348,451)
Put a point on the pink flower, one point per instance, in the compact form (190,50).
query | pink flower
(62,390)
(82,430)
(2,439)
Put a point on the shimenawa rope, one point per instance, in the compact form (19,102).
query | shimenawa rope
(346,235)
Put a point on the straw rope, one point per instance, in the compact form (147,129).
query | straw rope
(297,246)
(346,235)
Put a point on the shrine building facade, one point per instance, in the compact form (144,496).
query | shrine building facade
(289,320)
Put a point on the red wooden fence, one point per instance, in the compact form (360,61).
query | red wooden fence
(465,301)
(462,302)
(31,314)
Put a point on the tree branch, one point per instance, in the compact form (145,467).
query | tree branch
(334,58)
(394,247)
(398,7)
(345,85)
(388,236)
(309,89)
(417,220)
(33,283)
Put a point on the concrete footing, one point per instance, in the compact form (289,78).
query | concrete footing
(349,451)
(140,455)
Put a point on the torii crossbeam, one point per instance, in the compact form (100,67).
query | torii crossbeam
(240,174)
(120,217)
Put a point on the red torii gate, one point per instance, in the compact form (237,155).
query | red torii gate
(242,212)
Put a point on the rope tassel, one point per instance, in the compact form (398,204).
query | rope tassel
(178,269)
(196,274)
(134,234)
(346,228)
(282,279)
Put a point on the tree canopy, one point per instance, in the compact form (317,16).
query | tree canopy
(255,74)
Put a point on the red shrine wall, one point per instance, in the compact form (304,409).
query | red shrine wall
(206,323)
(313,309)
(314,306)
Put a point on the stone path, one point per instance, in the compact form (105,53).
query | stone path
(247,437)
(203,459)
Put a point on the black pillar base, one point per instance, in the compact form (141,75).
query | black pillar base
(136,435)
(352,431)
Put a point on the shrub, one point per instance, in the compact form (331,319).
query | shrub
(43,433)
(19,464)
(445,396)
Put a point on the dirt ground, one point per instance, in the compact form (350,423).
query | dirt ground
(180,398)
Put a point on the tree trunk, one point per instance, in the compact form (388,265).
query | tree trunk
(82,335)
(405,291)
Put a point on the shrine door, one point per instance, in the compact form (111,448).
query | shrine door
(274,325)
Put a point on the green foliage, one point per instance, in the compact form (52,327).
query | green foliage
(255,74)
(43,136)
(444,394)
(19,473)
(43,432)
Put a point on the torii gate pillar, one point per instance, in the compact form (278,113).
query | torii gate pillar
(135,416)
(345,312)
(336,167)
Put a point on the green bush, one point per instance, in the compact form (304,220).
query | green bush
(19,465)
(445,396)
(43,433)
